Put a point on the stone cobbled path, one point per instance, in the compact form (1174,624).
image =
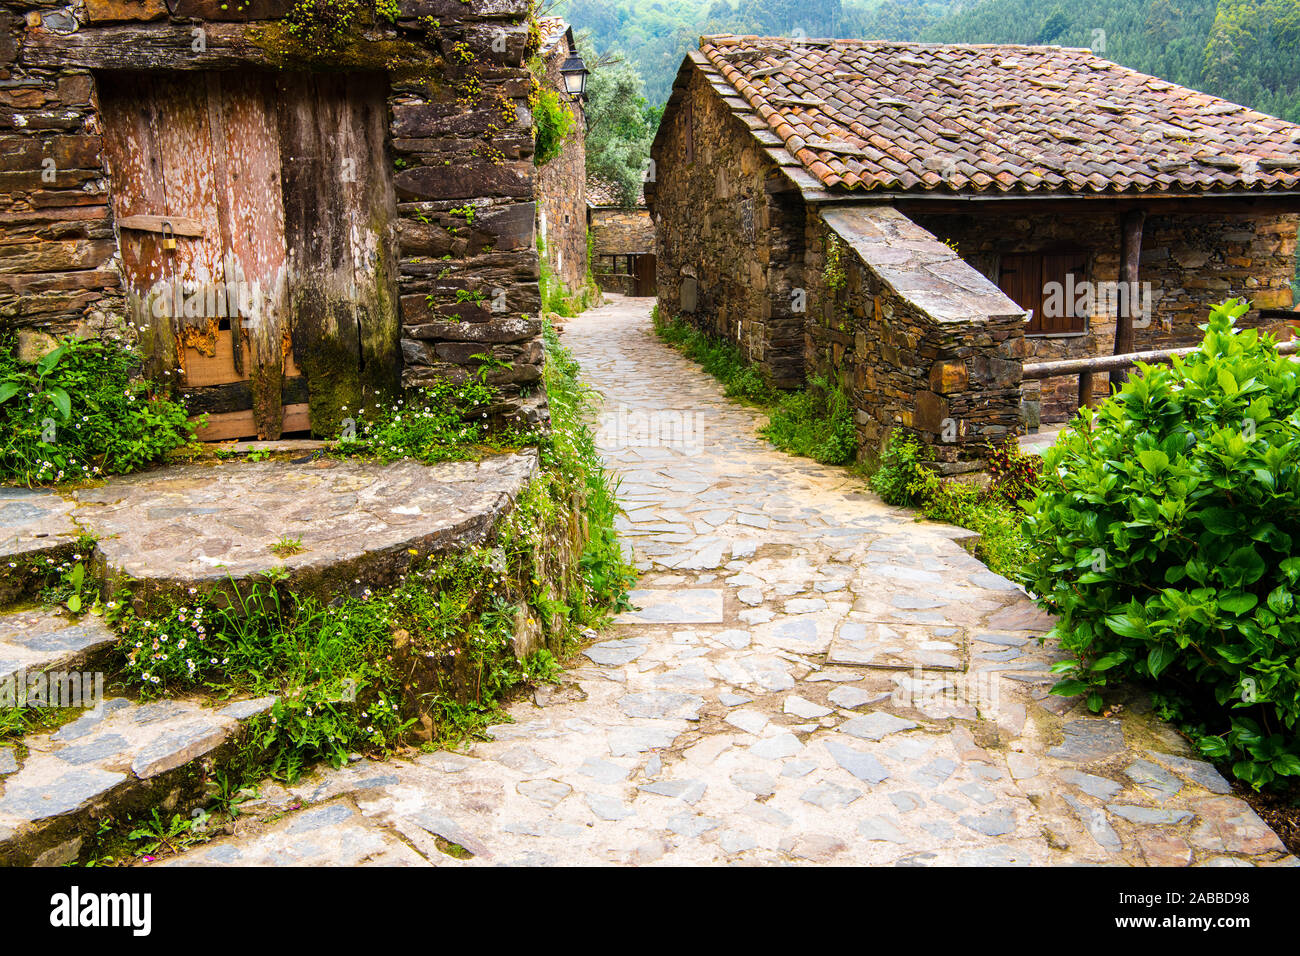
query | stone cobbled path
(811,677)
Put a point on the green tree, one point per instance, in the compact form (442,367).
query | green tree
(620,124)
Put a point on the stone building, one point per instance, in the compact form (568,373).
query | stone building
(562,182)
(917,220)
(622,241)
(288,217)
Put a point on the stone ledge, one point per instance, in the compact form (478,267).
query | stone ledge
(918,266)
(361,524)
(119,758)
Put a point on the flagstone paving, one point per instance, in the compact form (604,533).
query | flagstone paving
(811,677)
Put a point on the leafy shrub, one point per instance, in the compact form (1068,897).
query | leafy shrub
(903,478)
(902,472)
(815,422)
(552,126)
(1166,536)
(79,413)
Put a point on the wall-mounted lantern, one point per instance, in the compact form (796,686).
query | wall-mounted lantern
(574,72)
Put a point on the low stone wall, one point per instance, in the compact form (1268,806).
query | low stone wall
(917,338)
(618,282)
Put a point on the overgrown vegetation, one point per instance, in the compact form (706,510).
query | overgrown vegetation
(433,655)
(557,297)
(441,422)
(904,477)
(80,412)
(570,450)
(815,421)
(553,123)
(1165,537)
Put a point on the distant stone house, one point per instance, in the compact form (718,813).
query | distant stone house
(287,223)
(917,221)
(622,241)
(562,182)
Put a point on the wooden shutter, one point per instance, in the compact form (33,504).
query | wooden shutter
(1019,276)
(1058,267)
(1025,277)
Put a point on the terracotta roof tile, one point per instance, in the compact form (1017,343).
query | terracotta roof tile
(897,117)
(603,193)
(551,29)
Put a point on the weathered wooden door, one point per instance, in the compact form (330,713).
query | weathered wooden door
(194,161)
(339,205)
(254,213)
(645,275)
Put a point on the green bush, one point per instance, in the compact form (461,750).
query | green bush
(903,478)
(902,473)
(79,413)
(552,124)
(815,422)
(1165,537)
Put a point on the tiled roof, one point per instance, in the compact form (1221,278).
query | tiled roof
(601,192)
(910,117)
(551,29)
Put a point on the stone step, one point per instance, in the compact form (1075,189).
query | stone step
(42,641)
(36,529)
(121,759)
(335,526)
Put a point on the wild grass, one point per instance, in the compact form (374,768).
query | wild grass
(813,422)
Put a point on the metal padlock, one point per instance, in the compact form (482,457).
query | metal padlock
(168,237)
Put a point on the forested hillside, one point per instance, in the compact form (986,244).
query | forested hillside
(1245,50)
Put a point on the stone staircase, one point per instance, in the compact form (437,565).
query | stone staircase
(106,756)
(93,756)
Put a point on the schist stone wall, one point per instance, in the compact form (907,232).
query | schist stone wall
(741,255)
(1191,262)
(458,153)
(729,245)
(562,185)
(915,336)
(619,232)
(622,232)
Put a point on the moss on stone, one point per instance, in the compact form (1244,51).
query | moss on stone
(402,59)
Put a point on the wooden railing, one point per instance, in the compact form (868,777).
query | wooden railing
(1085,368)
